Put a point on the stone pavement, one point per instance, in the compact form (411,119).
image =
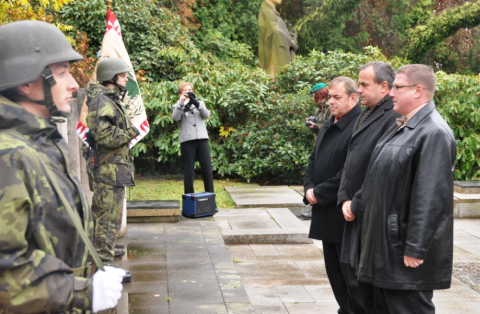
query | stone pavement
(186,267)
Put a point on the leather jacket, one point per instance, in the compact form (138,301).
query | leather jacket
(408,206)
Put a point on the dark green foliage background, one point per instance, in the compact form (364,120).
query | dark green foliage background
(268,141)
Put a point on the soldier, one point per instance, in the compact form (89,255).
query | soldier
(110,169)
(45,221)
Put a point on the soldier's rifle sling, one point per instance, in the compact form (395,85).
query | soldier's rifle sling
(76,221)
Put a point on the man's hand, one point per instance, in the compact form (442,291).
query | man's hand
(347,213)
(412,262)
(311,197)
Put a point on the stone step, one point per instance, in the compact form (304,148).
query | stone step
(265,196)
(466,187)
(466,205)
(261,226)
(153,211)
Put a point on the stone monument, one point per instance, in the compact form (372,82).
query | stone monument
(277,40)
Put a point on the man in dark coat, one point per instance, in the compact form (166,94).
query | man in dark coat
(375,81)
(321,182)
(407,228)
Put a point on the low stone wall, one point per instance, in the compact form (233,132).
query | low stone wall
(466,197)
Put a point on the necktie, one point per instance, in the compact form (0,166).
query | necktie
(401,121)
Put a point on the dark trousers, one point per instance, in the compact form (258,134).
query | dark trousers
(192,150)
(409,301)
(342,279)
(373,298)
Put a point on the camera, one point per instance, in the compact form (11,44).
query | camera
(310,121)
(193,101)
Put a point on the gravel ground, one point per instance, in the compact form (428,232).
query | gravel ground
(468,273)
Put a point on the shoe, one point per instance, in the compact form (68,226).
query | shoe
(307,215)
(119,245)
(118,252)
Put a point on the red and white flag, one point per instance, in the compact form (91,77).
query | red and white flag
(113,46)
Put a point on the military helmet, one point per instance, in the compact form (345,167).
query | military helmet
(108,68)
(27,47)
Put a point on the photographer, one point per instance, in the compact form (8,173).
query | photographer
(319,93)
(190,113)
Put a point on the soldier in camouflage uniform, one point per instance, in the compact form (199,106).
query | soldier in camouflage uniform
(43,259)
(319,93)
(111,169)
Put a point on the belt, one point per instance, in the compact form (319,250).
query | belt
(120,150)
(83,272)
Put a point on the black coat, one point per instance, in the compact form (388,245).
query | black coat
(408,207)
(323,174)
(360,150)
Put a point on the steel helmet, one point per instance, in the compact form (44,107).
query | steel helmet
(109,67)
(27,48)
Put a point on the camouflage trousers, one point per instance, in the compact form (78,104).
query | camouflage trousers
(107,206)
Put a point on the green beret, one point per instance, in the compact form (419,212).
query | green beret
(317,87)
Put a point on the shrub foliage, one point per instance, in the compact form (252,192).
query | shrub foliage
(257,125)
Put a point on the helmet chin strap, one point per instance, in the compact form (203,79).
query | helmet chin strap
(123,89)
(48,83)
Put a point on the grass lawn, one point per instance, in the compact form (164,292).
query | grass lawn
(159,188)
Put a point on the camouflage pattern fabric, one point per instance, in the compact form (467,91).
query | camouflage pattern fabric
(39,245)
(111,128)
(108,204)
(321,115)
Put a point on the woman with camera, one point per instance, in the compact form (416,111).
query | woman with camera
(190,113)
(319,93)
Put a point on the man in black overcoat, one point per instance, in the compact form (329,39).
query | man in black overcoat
(321,183)
(375,81)
(406,246)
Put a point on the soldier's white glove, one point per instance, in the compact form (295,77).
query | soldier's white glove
(107,288)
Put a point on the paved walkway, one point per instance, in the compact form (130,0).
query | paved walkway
(186,267)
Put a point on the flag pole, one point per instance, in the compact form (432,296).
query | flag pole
(109,4)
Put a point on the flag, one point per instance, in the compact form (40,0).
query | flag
(113,46)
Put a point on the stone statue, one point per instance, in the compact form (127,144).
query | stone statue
(277,41)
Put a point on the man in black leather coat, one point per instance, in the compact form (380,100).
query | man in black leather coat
(407,229)
(375,81)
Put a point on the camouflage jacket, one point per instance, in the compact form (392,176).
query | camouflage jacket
(39,245)
(322,114)
(111,128)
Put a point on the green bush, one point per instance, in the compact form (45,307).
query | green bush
(147,28)
(257,126)
(457,99)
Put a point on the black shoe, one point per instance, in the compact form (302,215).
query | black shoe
(118,252)
(307,215)
(119,245)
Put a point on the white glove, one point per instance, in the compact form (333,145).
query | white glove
(107,288)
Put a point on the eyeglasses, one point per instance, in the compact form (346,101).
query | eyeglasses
(397,87)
